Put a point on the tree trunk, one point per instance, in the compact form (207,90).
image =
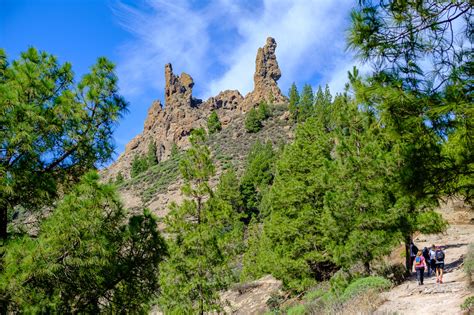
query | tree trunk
(367,267)
(3,223)
(407,255)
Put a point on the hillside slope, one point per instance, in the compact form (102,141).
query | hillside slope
(160,185)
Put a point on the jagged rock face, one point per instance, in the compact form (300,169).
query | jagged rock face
(178,89)
(265,78)
(227,105)
(182,112)
(251,297)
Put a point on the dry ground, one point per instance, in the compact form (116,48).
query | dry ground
(433,298)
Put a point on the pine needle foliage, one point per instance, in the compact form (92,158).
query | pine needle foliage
(53,130)
(205,232)
(85,259)
(213,123)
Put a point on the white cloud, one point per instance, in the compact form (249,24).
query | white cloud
(216,43)
(164,33)
(310,38)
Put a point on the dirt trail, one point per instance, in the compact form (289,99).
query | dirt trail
(433,298)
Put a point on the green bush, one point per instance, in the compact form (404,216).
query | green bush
(364,284)
(255,117)
(263,111)
(274,302)
(139,165)
(342,293)
(468,304)
(395,273)
(314,294)
(119,179)
(253,123)
(469,263)
(339,282)
(296,310)
(213,123)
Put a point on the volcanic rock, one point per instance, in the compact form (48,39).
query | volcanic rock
(265,78)
(171,124)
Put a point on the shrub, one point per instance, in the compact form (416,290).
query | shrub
(174,150)
(152,158)
(395,273)
(263,111)
(253,122)
(296,310)
(213,123)
(362,285)
(119,179)
(254,118)
(139,165)
(274,302)
(468,304)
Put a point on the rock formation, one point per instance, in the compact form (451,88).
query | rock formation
(265,78)
(172,123)
(179,89)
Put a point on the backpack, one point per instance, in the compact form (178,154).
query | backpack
(418,260)
(439,255)
(426,252)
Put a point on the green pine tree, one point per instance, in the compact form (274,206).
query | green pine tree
(205,234)
(119,179)
(322,106)
(305,105)
(152,159)
(257,177)
(53,130)
(429,104)
(85,258)
(174,150)
(139,165)
(253,123)
(263,111)
(294,102)
(213,123)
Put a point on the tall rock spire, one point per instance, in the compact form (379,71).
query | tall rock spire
(266,76)
(178,89)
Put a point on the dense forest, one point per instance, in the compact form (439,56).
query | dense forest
(365,171)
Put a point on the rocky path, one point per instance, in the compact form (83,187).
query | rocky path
(433,298)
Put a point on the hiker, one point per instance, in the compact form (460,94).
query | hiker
(413,252)
(420,265)
(439,257)
(432,260)
(426,255)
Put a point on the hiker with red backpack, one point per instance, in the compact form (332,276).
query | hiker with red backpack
(420,266)
(439,257)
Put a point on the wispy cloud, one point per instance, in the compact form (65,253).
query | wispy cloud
(216,42)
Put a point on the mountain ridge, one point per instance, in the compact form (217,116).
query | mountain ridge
(170,124)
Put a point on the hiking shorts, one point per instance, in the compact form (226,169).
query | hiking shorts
(440,265)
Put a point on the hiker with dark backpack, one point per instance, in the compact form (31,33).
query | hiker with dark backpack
(426,255)
(439,256)
(420,265)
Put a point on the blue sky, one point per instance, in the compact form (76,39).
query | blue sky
(214,41)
